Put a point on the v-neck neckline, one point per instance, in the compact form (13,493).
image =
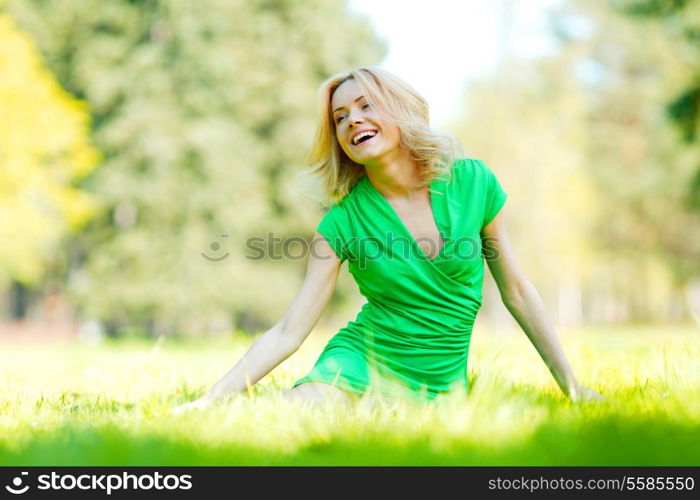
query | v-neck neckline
(401,223)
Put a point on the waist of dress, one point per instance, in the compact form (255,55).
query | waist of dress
(427,322)
(367,332)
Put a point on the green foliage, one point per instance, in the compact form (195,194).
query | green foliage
(651,7)
(204,111)
(684,110)
(44,151)
(109,405)
(681,20)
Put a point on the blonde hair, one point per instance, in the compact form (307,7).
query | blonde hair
(332,174)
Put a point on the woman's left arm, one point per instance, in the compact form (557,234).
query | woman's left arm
(525,305)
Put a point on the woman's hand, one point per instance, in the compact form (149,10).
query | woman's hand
(581,393)
(198,404)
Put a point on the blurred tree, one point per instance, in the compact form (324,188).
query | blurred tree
(599,175)
(680,21)
(204,110)
(640,165)
(44,151)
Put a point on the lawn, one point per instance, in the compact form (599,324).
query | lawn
(71,403)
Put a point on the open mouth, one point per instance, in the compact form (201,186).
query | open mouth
(363,137)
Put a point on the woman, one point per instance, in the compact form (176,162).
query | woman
(414,223)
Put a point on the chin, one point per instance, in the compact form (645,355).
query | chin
(366,157)
(364,160)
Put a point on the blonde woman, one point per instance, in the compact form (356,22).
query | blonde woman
(415,222)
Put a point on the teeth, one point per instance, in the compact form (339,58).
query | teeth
(356,139)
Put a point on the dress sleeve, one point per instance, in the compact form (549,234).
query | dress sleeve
(335,227)
(494,195)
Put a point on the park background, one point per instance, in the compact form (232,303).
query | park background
(142,143)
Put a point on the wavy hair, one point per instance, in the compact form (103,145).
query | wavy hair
(331,174)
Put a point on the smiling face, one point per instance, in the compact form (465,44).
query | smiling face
(360,130)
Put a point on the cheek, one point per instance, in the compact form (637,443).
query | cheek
(393,136)
(339,132)
(343,147)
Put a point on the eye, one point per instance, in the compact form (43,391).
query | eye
(339,118)
(366,105)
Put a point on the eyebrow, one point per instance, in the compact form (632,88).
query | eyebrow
(343,107)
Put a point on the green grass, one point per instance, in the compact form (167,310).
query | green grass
(74,404)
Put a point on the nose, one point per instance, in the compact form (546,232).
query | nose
(355,118)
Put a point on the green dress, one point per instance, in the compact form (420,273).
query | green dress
(411,337)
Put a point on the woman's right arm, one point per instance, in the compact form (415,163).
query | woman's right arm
(289,333)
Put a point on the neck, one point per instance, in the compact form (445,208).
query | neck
(395,175)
